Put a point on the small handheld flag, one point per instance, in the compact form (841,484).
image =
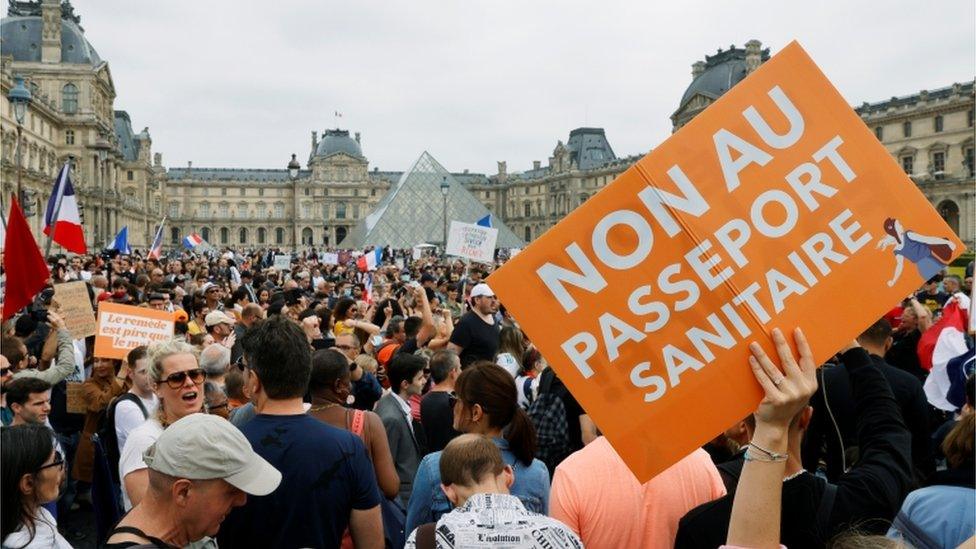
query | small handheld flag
(192,240)
(487,221)
(121,242)
(62,217)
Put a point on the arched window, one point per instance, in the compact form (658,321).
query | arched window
(242,235)
(949,211)
(69,98)
(307,236)
(341,210)
(279,236)
(205,233)
(224,235)
(262,235)
(174,235)
(340,235)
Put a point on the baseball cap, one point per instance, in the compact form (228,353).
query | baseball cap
(206,447)
(216,317)
(481,289)
(179,315)
(427,277)
(207,286)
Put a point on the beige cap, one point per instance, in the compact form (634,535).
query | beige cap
(205,447)
(217,317)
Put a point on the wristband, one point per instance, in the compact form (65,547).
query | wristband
(770,455)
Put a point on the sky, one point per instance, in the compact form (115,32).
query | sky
(244,83)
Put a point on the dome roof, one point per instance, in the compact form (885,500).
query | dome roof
(21,38)
(338,141)
(720,72)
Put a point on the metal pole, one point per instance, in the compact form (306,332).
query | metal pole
(19,169)
(445,222)
(102,214)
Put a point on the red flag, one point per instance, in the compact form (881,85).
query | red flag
(953,317)
(23,264)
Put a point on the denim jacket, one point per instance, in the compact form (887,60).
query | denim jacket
(428,502)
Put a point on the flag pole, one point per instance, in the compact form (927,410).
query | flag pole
(57,209)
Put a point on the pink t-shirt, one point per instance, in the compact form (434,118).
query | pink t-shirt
(595,494)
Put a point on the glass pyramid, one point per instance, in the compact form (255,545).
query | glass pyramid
(412,212)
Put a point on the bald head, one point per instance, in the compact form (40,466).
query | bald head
(215,359)
(250,313)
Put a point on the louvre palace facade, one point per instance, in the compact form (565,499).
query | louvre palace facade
(318,197)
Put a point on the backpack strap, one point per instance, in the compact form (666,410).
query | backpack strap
(425,536)
(826,508)
(527,389)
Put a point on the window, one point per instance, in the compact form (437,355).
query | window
(205,210)
(242,236)
(259,210)
(906,129)
(174,235)
(224,211)
(879,133)
(307,191)
(306,209)
(908,164)
(224,234)
(279,210)
(205,233)
(372,192)
(938,165)
(528,209)
(262,235)
(341,210)
(971,117)
(279,236)
(242,191)
(69,98)
(69,137)
(938,123)
(355,211)
(968,161)
(174,209)
(242,209)
(223,191)
(528,234)
(129,176)
(260,192)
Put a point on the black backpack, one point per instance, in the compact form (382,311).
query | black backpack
(106,431)
(548,415)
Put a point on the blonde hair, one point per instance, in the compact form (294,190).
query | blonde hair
(158,352)
(366,362)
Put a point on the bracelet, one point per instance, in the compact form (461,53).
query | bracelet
(749,456)
(773,456)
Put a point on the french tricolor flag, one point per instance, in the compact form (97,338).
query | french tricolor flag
(942,349)
(156,250)
(62,214)
(370,260)
(192,240)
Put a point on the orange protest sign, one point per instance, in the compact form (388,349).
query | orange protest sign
(775,207)
(124,327)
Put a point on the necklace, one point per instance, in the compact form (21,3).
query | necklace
(325,406)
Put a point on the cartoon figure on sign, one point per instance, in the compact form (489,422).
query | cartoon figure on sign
(930,254)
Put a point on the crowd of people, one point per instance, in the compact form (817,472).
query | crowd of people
(321,405)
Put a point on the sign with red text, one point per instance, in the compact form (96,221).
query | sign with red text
(471,241)
(775,207)
(122,328)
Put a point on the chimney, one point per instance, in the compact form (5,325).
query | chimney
(465,170)
(357,137)
(315,140)
(51,31)
(158,159)
(189,165)
(536,164)
(697,68)
(502,167)
(753,55)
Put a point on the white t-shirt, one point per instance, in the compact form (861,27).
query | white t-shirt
(130,458)
(128,416)
(507,361)
(46,534)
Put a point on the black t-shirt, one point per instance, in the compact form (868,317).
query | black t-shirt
(438,420)
(573,413)
(903,353)
(478,338)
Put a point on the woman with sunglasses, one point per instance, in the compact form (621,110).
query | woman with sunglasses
(484,403)
(96,393)
(33,474)
(178,381)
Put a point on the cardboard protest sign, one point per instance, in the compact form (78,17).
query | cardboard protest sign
(330,258)
(75,398)
(775,207)
(282,262)
(122,328)
(76,309)
(472,241)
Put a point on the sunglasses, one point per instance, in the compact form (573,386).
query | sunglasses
(175,381)
(58,462)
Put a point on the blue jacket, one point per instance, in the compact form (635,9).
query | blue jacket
(937,516)
(428,502)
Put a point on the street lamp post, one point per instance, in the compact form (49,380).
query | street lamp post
(103,216)
(20,97)
(293,168)
(444,188)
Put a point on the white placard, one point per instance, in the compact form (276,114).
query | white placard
(330,258)
(472,241)
(282,262)
(417,252)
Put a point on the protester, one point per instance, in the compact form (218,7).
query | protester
(327,481)
(476,335)
(96,393)
(178,382)
(903,353)
(187,499)
(511,347)
(477,481)
(485,405)
(407,379)
(220,326)
(814,511)
(436,414)
(33,474)
(29,399)
(215,361)
(64,364)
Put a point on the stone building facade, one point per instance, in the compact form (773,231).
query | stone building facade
(931,136)
(120,181)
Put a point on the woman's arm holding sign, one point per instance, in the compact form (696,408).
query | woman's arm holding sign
(755,520)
